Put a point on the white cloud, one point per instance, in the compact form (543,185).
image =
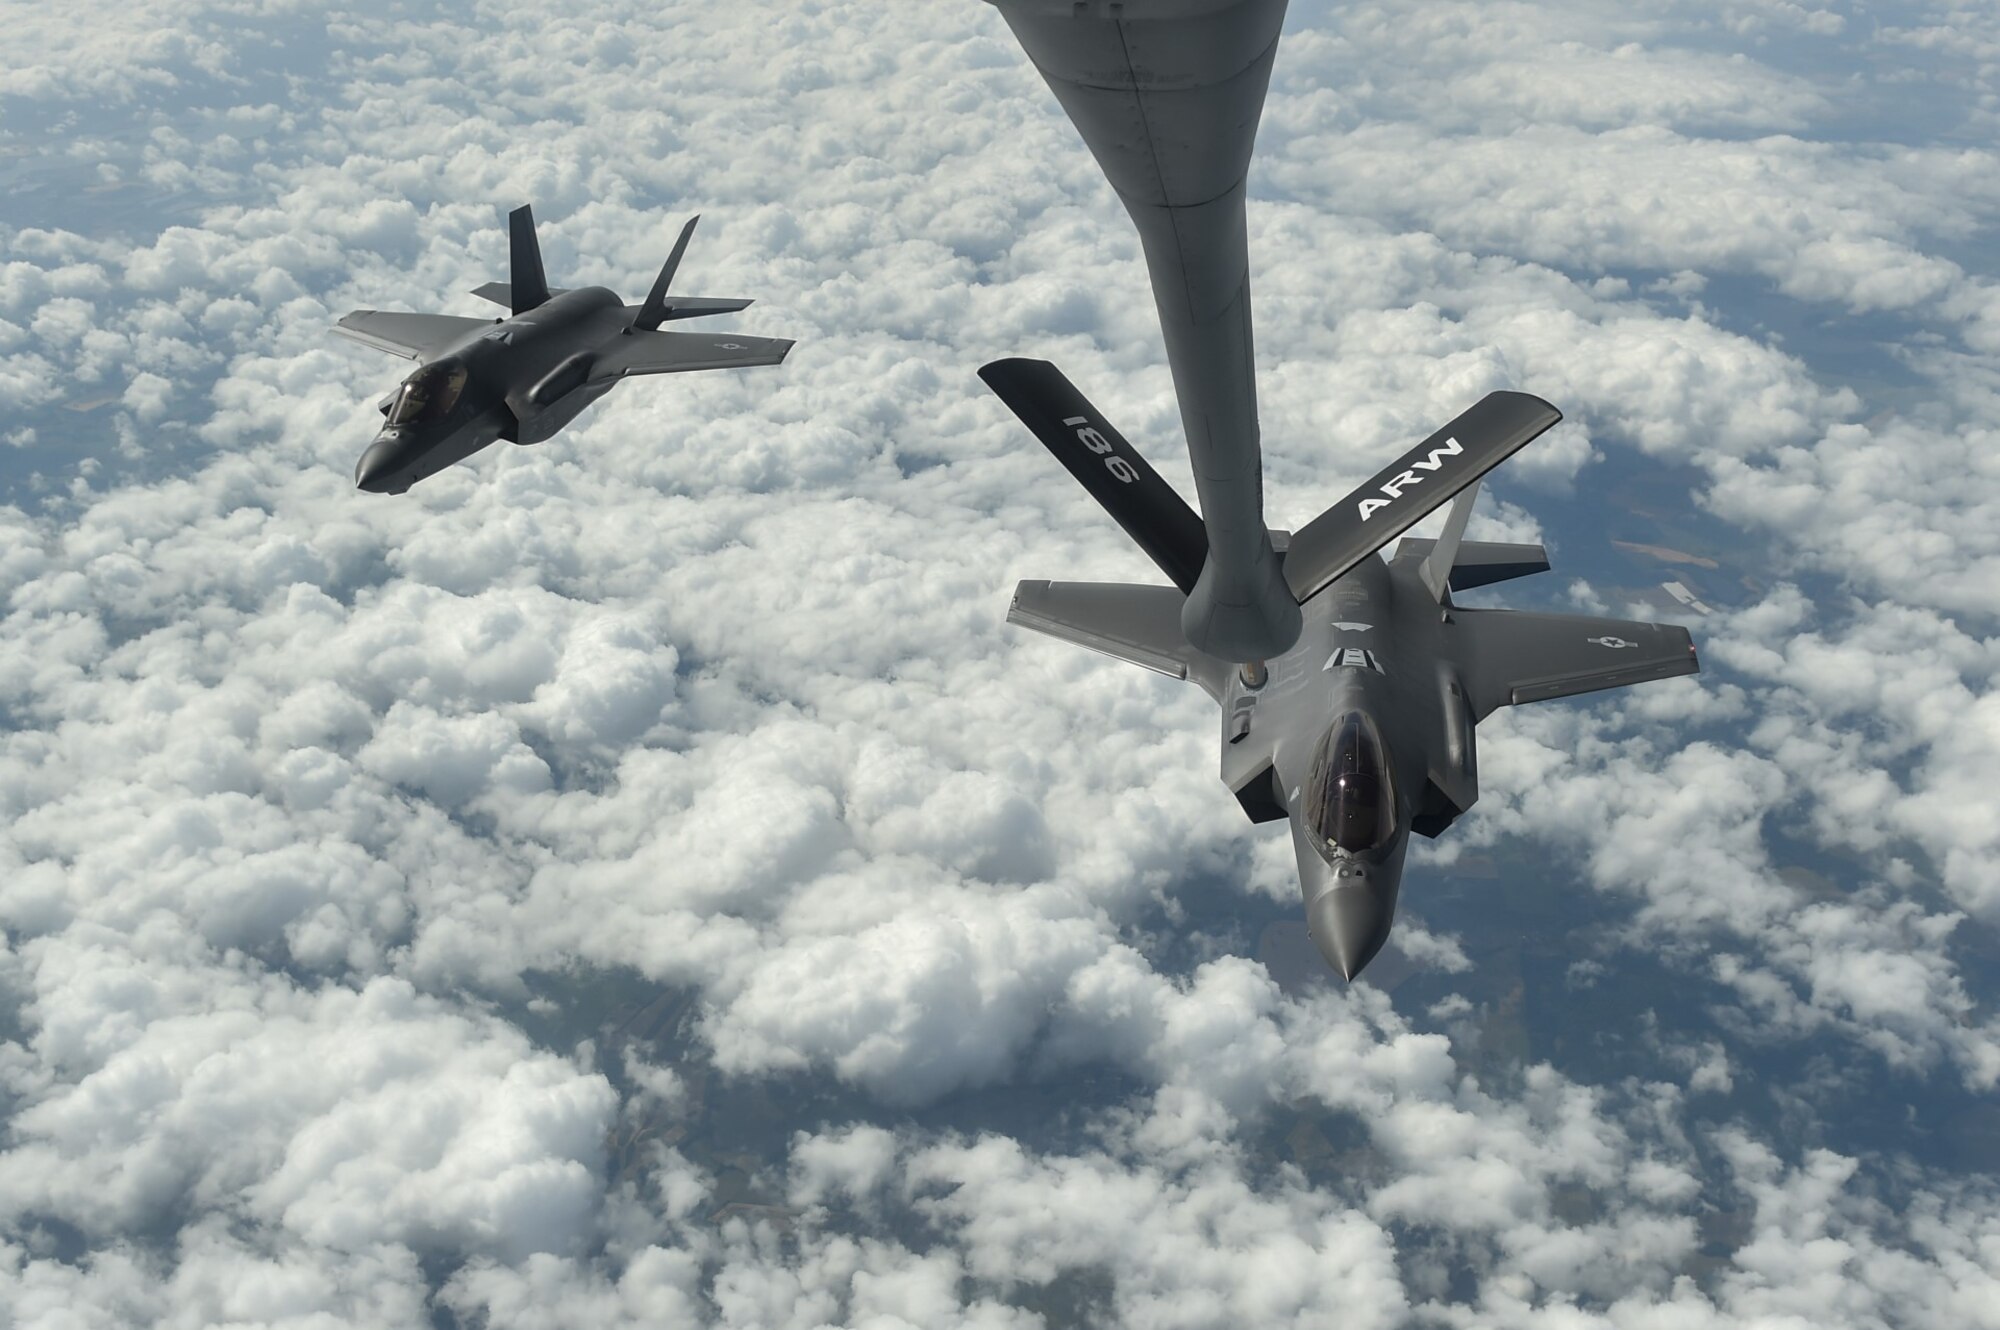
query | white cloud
(303,790)
(346,1119)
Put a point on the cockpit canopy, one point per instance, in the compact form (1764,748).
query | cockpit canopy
(1350,793)
(429,394)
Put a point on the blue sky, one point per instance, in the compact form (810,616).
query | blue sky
(640,879)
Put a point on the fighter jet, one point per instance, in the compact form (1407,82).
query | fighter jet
(1350,686)
(1363,730)
(524,377)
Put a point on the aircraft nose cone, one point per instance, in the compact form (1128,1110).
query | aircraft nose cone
(1349,923)
(374,471)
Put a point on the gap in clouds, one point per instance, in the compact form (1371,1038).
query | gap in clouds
(619,1019)
(1544,953)
(151,135)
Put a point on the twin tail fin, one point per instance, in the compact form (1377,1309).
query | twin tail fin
(529,285)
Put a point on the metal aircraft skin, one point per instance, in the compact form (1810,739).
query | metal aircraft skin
(524,377)
(1167,95)
(1363,731)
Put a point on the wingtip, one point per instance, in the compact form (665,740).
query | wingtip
(1005,364)
(1541,402)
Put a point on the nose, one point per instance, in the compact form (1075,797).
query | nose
(1350,920)
(376,471)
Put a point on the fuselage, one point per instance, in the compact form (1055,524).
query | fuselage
(521,379)
(1350,722)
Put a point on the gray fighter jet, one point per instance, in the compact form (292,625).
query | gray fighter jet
(1363,730)
(1349,687)
(524,377)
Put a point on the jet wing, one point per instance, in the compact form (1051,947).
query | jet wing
(412,336)
(1513,656)
(675,352)
(1137,624)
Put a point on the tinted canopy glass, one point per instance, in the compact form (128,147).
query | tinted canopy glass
(428,394)
(1350,797)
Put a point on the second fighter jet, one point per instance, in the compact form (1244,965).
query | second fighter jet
(524,377)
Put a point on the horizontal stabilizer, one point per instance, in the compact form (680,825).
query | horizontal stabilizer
(695,307)
(1410,488)
(1137,624)
(502,293)
(1481,562)
(1148,508)
(1510,657)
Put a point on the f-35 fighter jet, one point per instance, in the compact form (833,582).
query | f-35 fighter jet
(524,377)
(1363,731)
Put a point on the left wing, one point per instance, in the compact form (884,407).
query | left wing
(675,352)
(1513,656)
(412,336)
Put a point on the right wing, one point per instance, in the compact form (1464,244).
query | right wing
(1515,656)
(412,336)
(1137,624)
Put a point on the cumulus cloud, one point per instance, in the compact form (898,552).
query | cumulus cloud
(311,803)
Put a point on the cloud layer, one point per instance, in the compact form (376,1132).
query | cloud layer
(419,908)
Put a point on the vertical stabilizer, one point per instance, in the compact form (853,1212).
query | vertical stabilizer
(529,285)
(1436,568)
(654,311)
(1167,94)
